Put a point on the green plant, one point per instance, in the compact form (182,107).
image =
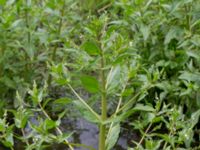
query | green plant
(111,82)
(6,131)
(178,129)
(110,60)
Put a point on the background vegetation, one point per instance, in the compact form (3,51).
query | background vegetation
(117,63)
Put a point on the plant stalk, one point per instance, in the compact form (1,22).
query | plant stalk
(53,56)
(84,103)
(58,32)
(102,134)
(145,133)
(28,37)
(24,135)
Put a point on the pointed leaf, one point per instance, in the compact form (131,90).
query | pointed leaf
(112,137)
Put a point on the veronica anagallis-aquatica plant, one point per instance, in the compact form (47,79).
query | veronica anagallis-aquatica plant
(109,126)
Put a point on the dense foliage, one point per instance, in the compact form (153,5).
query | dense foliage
(113,62)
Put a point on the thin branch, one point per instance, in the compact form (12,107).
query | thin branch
(23,134)
(104,8)
(118,106)
(84,103)
(145,133)
(132,100)
(58,129)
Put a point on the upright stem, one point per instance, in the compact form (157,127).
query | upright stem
(102,135)
(188,17)
(28,36)
(53,57)
(58,31)
(27,23)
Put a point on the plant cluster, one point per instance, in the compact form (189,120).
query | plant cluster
(116,62)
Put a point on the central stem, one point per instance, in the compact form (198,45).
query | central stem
(102,134)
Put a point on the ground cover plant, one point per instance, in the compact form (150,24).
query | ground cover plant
(119,64)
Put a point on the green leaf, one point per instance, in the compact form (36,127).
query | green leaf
(91,48)
(49,124)
(142,107)
(153,144)
(194,54)
(60,74)
(16,23)
(18,100)
(187,136)
(34,94)
(9,141)
(113,78)
(190,76)
(112,137)
(21,117)
(145,31)
(195,118)
(30,50)
(8,82)
(61,81)
(90,83)
(63,137)
(174,33)
(2,125)
(62,101)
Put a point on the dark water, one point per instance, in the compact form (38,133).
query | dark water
(85,133)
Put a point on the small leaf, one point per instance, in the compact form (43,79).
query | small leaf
(142,107)
(61,81)
(8,82)
(16,23)
(63,137)
(62,101)
(112,137)
(195,118)
(60,74)
(174,33)
(9,141)
(30,50)
(91,48)
(145,31)
(2,125)
(113,78)
(49,124)
(18,101)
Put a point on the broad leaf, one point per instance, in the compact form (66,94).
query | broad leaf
(90,83)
